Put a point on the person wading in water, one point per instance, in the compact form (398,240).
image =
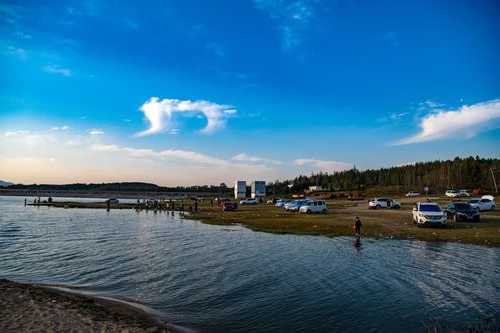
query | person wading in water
(357,227)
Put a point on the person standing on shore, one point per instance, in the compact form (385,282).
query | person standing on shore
(357,227)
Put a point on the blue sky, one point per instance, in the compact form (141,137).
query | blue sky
(184,92)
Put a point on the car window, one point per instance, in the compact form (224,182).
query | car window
(485,200)
(430,208)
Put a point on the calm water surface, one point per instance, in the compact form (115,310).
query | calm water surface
(230,279)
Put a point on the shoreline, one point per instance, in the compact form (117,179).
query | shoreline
(25,307)
(377,223)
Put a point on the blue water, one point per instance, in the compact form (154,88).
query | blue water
(230,279)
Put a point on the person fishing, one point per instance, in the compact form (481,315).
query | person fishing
(357,227)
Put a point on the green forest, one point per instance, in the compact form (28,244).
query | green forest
(459,173)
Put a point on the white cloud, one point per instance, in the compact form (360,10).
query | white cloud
(322,165)
(58,70)
(466,122)
(95,131)
(159,113)
(253,159)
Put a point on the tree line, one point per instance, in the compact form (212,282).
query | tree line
(459,173)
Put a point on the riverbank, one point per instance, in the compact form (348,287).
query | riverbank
(31,307)
(380,223)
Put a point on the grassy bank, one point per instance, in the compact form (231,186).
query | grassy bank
(382,223)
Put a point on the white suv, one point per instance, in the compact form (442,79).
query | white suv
(383,203)
(487,202)
(429,213)
(314,207)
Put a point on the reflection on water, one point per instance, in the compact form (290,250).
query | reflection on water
(231,279)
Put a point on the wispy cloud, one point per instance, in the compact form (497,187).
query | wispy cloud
(159,113)
(22,35)
(16,133)
(57,70)
(466,121)
(216,49)
(392,38)
(254,159)
(95,131)
(18,52)
(168,154)
(60,128)
(292,18)
(322,165)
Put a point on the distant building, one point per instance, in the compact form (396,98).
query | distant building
(258,189)
(315,188)
(240,189)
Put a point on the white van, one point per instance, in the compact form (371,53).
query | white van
(314,207)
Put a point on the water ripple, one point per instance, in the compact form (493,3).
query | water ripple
(213,280)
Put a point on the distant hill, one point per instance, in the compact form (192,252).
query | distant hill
(120,187)
(4,183)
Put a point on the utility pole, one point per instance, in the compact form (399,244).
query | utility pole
(494,180)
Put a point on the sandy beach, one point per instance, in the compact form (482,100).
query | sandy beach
(35,308)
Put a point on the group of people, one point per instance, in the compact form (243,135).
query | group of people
(165,205)
(38,201)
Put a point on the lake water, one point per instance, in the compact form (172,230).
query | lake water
(230,279)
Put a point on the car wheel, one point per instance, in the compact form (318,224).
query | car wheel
(308,211)
(378,206)
(477,219)
(324,211)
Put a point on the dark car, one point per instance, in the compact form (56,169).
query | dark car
(229,206)
(462,211)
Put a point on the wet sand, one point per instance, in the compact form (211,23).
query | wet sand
(35,308)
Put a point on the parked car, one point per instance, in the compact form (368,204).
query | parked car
(313,207)
(429,213)
(248,202)
(383,203)
(296,204)
(412,194)
(463,193)
(462,211)
(229,206)
(457,194)
(487,202)
(281,202)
